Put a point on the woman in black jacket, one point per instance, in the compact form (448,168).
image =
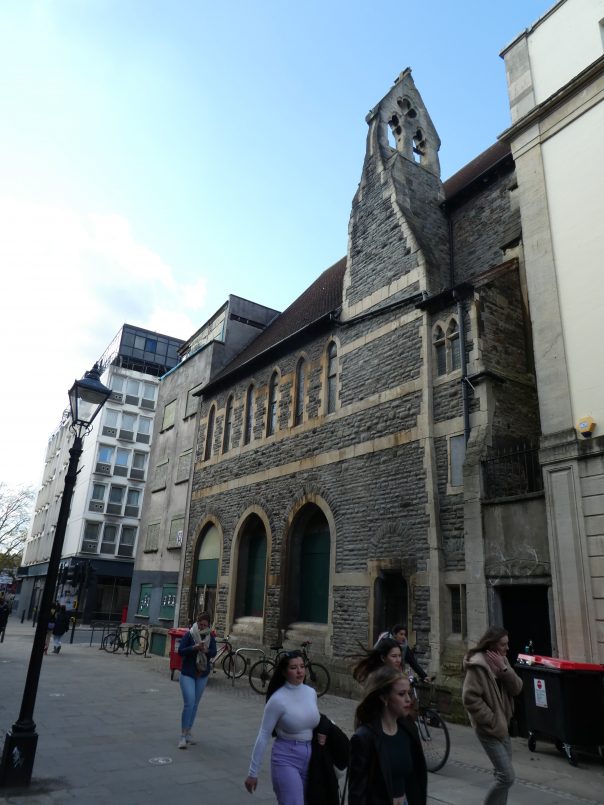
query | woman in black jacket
(61,626)
(386,760)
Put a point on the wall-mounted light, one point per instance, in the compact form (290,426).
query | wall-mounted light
(586,426)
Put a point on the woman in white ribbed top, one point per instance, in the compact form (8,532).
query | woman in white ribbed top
(291,711)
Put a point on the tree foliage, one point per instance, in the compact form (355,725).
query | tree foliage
(15,517)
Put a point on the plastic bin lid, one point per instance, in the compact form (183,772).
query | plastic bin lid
(555,662)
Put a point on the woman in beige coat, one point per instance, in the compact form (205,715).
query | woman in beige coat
(488,693)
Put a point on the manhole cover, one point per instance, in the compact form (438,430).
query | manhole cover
(160,761)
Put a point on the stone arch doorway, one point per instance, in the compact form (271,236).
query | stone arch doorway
(391,604)
(206,572)
(308,572)
(251,569)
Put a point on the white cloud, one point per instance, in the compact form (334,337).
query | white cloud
(70,280)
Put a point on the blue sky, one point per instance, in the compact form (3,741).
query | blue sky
(159,155)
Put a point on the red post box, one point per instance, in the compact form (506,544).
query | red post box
(176,636)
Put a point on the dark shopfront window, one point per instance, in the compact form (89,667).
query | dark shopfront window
(112,595)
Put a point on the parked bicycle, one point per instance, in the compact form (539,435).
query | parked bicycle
(233,664)
(431,727)
(317,676)
(134,638)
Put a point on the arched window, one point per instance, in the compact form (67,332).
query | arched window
(309,570)
(300,390)
(210,434)
(248,431)
(228,422)
(206,572)
(251,569)
(332,377)
(440,351)
(271,416)
(454,345)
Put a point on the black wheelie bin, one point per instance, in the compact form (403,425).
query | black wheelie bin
(564,702)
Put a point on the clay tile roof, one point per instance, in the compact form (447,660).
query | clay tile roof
(479,166)
(317,301)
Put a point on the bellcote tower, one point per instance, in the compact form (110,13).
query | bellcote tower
(398,239)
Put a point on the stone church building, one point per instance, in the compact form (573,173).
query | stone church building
(367,458)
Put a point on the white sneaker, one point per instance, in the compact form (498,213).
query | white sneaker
(182,744)
(190,740)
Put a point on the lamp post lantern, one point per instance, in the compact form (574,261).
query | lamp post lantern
(86,397)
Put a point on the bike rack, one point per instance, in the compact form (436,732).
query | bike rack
(244,648)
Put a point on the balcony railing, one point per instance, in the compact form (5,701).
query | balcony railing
(512,471)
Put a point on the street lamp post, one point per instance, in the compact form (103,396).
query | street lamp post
(86,397)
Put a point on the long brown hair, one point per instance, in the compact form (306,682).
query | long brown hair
(489,640)
(374,659)
(372,704)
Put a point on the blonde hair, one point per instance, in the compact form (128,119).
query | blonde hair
(378,685)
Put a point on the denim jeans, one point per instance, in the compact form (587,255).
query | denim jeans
(289,770)
(192,689)
(499,751)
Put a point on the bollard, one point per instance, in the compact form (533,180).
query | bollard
(73,625)
(22,616)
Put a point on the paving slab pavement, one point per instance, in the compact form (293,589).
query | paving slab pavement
(108,726)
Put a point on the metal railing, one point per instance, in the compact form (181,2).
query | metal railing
(512,471)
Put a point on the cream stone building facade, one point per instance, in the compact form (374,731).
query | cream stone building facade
(555,73)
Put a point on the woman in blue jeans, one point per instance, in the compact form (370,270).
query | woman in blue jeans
(196,648)
(291,711)
(489,687)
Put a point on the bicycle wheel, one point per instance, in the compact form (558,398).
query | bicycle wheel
(435,739)
(317,676)
(259,675)
(234,665)
(111,642)
(138,643)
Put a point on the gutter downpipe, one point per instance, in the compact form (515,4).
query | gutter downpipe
(465,406)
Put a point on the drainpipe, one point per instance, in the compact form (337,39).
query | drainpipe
(465,405)
(462,340)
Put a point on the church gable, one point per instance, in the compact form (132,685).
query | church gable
(398,237)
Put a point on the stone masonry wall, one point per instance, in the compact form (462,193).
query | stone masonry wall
(379,251)
(480,227)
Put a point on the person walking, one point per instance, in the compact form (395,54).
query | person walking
(60,627)
(399,633)
(488,691)
(387,765)
(4,613)
(385,652)
(197,647)
(291,711)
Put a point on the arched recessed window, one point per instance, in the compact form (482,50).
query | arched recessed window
(308,580)
(454,345)
(332,377)
(248,430)
(440,351)
(206,572)
(251,569)
(228,423)
(447,347)
(210,434)
(300,390)
(271,416)
(419,145)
